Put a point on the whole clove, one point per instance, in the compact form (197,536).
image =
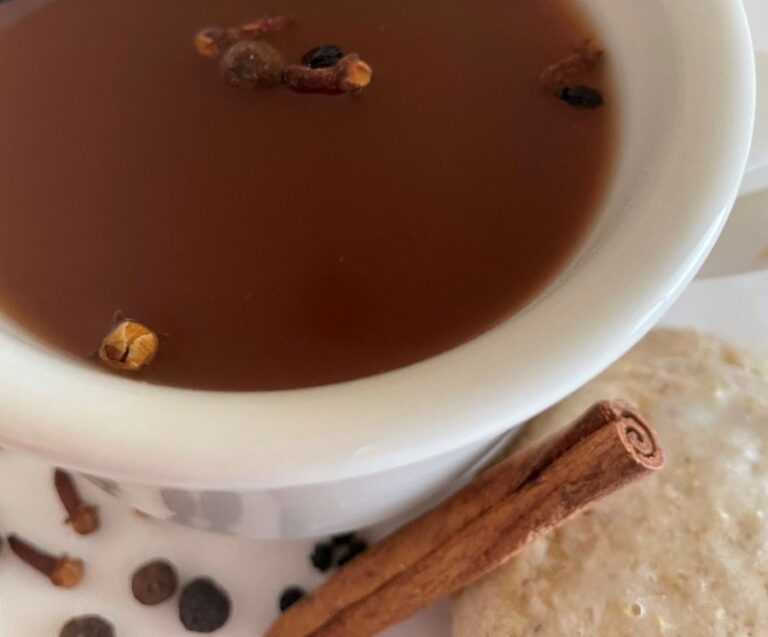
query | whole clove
(248,62)
(211,42)
(585,58)
(62,570)
(348,75)
(130,346)
(83,517)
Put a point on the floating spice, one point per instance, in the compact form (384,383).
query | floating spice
(585,58)
(87,626)
(129,347)
(154,582)
(349,75)
(213,41)
(83,517)
(248,62)
(265,25)
(252,64)
(322,56)
(62,570)
(581,96)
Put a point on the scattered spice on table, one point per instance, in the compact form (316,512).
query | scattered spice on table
(154,582)
(290,596)
(203,606)
(354,549)
(81,516)
(343,538)
(322,556)
(62,570)
(87,626)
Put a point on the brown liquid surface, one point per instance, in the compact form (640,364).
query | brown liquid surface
(283,240)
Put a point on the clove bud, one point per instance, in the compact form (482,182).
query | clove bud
(585,58)
(211,42)
(348,75)
(248,62)
(264,26)
(62,570)
(129,347)
(83,517)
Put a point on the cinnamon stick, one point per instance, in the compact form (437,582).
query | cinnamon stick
(480,527)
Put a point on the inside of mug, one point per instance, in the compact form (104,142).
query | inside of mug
(637,41)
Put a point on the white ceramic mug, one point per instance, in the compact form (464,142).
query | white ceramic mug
(314,461)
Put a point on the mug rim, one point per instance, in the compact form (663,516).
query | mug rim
(106,425)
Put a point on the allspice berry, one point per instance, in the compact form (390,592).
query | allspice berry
(154,582)
(203,606)
(252,64)
(87,626)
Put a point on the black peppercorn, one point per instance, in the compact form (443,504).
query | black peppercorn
(342,539)
(203,606)
(353,550)
(322,56)
(581,96)
(87,626)
(322,557)
(290,596)
(154,582)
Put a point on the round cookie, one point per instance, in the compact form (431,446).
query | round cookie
(684,551)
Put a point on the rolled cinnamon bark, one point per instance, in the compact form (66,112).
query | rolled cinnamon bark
(481,526)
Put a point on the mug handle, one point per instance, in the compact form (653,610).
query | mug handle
(758,156)
(743,245)
(757,15)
